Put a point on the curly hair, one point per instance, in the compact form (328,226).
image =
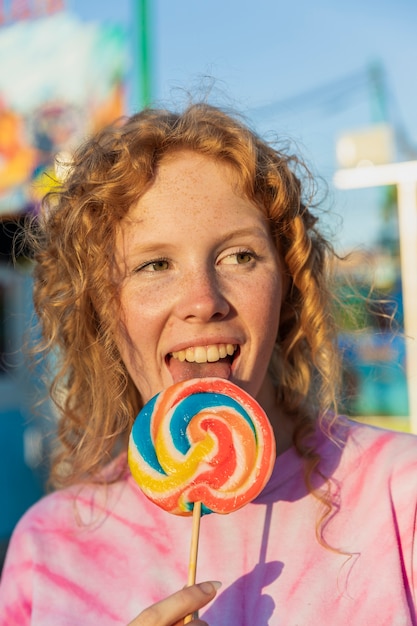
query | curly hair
(75,291)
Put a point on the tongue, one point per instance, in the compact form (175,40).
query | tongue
(185,371)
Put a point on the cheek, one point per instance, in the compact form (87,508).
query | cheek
(130,333)
(145,304)
(142,322)
(269,303)
(135,311)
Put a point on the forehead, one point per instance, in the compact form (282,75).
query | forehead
(192,198)
(185,168)
(187,181)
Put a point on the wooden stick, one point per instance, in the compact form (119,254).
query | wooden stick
(192,564)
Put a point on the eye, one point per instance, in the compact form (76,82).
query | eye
(158,265)
(242,257)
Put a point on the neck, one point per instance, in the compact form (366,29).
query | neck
(282,426)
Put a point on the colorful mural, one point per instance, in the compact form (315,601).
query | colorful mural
(60,79)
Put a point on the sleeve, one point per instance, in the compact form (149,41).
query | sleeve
(413,566)
(404,503)
(17,580)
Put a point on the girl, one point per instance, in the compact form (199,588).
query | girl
(183,246)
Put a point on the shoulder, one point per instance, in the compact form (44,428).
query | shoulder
(350,449)
(379,454)
(33,539)
(372,442)
(58,546)
(60,521)
(67,517)
(75,506)
(71,509)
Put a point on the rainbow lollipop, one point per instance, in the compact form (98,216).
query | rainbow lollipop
(201,440)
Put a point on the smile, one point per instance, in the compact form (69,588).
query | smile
(205,354)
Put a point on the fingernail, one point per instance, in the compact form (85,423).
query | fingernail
(208,586)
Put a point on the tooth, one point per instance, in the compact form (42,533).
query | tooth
(200,354)
(222,351)
(189,355)
(204,354)
(213,354)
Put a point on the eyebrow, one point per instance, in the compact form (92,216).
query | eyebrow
(255,231)
(244,232)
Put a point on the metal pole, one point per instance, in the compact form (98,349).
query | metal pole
(379,111)
(143,50)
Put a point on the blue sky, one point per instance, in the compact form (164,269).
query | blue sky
(300,69)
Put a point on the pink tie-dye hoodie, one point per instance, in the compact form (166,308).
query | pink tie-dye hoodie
(99,555)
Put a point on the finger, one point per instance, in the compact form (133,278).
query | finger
(195,622)
(171,610)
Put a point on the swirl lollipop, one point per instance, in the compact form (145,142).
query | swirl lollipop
(201,446)
(201,440)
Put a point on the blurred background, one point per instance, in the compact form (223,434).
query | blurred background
(336,80)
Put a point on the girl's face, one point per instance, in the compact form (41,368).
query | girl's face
(202,281)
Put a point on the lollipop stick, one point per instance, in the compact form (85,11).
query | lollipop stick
(192,565)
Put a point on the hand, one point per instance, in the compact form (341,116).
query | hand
(172,610)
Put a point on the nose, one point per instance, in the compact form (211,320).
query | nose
(202,298)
